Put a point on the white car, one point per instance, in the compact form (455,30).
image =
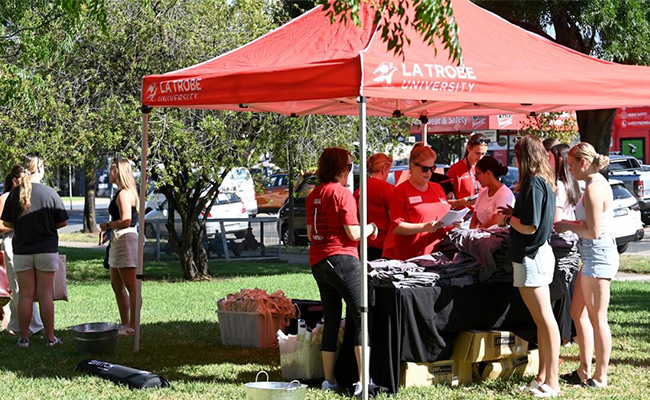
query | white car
(239,181)
(627,216)
(227,205)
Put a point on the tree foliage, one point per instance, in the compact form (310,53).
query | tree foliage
(560,125)
(431,19)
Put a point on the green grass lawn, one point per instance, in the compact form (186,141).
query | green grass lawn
(181,339)
(635,264)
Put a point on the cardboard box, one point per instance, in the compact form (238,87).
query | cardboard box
(475,346)
(450,372)
(506,367)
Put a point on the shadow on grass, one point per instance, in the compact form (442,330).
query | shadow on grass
(178,350)
(87,265)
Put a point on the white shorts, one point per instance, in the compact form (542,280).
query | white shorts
(535,272)
(45,262)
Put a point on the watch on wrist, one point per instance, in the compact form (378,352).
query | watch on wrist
(507,219)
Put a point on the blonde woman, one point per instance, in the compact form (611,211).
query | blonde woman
(122,255)
(35,212)
(600,262)
(35,326)
(533,262)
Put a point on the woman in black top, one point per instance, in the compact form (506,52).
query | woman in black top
(123,251)
(35,212)
(533,263)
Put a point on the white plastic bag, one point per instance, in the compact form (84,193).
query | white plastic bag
(300,360)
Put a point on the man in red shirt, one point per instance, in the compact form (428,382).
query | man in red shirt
(380,193)
(463,174)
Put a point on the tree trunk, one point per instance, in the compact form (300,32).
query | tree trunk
(90,218)
(194,258)
(596,128)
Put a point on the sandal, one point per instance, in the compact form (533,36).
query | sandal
(532,385)
(125,330)
(572,378)
(545,391)
(592,384)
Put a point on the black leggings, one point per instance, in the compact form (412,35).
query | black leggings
(338,278)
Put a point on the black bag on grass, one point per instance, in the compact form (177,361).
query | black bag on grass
(133,378)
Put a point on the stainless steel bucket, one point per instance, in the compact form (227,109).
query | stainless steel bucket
(96,337)
(293,390)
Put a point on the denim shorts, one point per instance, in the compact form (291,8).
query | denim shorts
(535,272)
(599,257)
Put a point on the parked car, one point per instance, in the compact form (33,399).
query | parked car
(227,205)
(636,180)
(627,216)
(276,191)
(239,181)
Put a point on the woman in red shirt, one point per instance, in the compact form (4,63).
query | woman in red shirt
(416,208)
(380,193)
(334,232)
(463,173)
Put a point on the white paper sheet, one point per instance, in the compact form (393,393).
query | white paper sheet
(454,216)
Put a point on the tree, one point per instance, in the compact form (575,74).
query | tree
(559,125)
(431,19)
(615,30)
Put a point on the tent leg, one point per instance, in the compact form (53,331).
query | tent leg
(424,133)
(363,255)
(143,196)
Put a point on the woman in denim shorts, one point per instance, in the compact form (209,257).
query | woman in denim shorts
(334,232)
(533,263)
(597,246)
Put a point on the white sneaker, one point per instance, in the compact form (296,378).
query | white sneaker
(533,385)
(329,386)
(544,391)
(23,343)
(358,387)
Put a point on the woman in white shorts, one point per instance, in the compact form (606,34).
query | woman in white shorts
(35,325)
(35,212)
(122,255)
(600,262)
(533,263)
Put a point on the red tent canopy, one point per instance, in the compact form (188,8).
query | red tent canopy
(311,66)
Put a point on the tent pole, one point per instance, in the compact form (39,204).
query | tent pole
(424,133)
(363,255)
(143,196)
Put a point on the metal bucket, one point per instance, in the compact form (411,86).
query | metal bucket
(293,390)
(96,337)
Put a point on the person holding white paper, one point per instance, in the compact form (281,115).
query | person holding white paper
(416,209)
(493,195)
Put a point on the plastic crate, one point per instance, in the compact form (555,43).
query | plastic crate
(247,329)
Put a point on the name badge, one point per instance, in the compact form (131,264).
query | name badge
(415,199)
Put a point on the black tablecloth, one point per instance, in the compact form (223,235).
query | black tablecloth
(421,325)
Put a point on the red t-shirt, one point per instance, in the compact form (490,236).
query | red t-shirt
(379,197)
(329,207)
(464,179)
(411,205)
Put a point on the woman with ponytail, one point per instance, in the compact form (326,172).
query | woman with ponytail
(35,325)
(35,212)
(600,262)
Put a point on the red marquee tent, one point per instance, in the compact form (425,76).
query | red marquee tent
(311,66)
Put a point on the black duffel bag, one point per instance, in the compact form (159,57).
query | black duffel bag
(133,378)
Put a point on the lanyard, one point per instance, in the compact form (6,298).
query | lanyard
(471,175)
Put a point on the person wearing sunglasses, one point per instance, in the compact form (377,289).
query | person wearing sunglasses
(463,173)
(416,209)
(380,194)
(334,232)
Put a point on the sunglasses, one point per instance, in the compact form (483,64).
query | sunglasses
(349,167)
(479,141)
(426,169)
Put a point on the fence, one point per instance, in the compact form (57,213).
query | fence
(225,238)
